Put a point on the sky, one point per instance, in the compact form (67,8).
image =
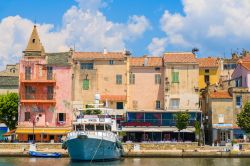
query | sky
(144,27)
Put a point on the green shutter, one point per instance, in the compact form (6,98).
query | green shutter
(85,84)
(175,77)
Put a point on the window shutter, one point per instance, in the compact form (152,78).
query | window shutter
(85,84)
(175,76)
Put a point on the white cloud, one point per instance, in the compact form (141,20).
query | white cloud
(157,46)
(213,26)
(83,26)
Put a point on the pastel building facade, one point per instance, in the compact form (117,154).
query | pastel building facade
(104,73)
(181,91)
(209,71)
(146,84)
(9,79)
(45,93)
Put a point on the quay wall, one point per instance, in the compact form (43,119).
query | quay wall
(178,150)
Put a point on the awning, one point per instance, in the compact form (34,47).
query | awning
(9,133)
(55,131)
(153,129)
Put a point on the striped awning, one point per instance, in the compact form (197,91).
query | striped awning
(55,131)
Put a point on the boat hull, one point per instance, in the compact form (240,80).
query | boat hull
(44,155)
(88,149)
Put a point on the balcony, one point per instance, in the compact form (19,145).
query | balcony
(29,78)
(38,98)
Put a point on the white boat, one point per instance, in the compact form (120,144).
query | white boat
(92,138)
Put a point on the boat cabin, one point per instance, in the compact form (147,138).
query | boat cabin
(93,123)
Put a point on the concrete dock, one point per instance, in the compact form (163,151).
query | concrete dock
(170,150)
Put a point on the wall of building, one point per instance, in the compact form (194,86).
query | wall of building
(222,106)
(102,80)
(145,92)
(187,88)
(244,73)
(214,76)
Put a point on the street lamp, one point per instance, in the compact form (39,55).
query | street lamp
(36,119)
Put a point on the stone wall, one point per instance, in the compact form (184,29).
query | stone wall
(160,146)
(25,146)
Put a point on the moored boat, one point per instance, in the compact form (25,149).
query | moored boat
(92,139)
(44,155)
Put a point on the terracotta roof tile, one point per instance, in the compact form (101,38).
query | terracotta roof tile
(220,95)
(98,55)
(150,61)
(246,59)
(208,62)
(246,65)
(180,57)
(113,97)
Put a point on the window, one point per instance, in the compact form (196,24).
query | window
(49,72)
(206,70)
(238,101)
(158,104)
(220,118)
(87,66)
(174,103)
(61,117)
(29,92)
(157,68)
(206,79)
(27,73)
(118,79)
(26,116)
(111,62)
(132,78)
(85,85)
(238,82)
(135,104)
(33,40)
(175,77)
(50,91)
(157,79)
(119,105)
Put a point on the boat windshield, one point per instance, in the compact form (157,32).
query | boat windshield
(93,127)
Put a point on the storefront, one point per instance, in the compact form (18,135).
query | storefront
(222,134)
(41,134)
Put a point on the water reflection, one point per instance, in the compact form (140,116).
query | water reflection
(12,161)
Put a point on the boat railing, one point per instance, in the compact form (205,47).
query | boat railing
(108,134)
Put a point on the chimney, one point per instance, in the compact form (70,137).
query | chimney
(145,61)
(105,51)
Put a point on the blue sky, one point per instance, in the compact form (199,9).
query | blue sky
(142,26)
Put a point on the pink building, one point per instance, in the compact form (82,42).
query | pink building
(241,74)
(45,93)
(146,83)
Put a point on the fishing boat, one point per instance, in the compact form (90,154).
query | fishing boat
(92,139)
(44,155)
(34,153)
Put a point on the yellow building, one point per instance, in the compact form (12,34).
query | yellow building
(209,71)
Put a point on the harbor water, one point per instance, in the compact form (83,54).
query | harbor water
(23,161)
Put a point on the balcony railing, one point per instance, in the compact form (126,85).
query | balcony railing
(37,78)
(35,96)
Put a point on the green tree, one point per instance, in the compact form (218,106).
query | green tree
(197,127)
(92,111)
(9,109)
(243,118)
(181,121)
